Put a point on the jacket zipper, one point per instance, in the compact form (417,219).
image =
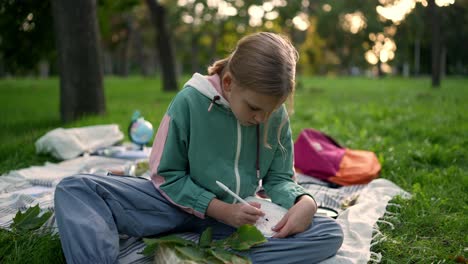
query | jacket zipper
(236,162)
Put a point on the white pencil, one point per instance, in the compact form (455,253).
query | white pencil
(224,187)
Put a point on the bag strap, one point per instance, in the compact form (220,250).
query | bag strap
(332,140)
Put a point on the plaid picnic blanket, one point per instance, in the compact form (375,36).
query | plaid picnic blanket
(27,187)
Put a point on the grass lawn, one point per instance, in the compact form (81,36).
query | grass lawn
(419,134)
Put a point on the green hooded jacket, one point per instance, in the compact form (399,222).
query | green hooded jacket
(200,141)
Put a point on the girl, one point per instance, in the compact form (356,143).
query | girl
(230,127)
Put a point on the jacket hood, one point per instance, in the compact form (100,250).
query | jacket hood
(207,88)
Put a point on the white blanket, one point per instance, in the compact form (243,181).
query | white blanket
(20,189)
(35,185)
(359,222)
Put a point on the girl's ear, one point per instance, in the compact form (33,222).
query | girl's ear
(226,82)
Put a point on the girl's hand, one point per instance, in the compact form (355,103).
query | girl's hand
(297,219)
(241,214)
(234,214)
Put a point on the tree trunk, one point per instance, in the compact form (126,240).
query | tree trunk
(434,15)
(79,55)
(44,69)
(406,69)
(2,67)
(195,51)
(138,46)
(417,56)
(149,67)
(163,45)
(108,62)
(443,62)
(213,47)
(123,53)
(216,35)
(380,72)
(125,47)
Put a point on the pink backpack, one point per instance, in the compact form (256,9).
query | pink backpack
(318,155)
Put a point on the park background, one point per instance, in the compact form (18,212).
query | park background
(387,76)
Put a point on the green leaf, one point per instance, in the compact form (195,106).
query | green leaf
(21,218)
(222,243)
(206,238)
(150,249)
(174,239)
(30,220)
(191,253)
(244,238)
(170,240)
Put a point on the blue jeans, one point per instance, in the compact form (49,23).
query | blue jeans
(92,211)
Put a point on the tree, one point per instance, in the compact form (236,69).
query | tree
(345,27)
(411,37)
(123,27)
(434,15)
(163,43)
(25,36)
(79,53)
(455,37)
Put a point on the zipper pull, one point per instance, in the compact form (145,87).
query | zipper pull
(215,98)
(257,162)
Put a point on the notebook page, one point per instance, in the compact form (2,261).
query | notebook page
(273,214)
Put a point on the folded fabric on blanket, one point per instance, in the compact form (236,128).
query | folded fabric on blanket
(69,143)
(334,198)
(21,189)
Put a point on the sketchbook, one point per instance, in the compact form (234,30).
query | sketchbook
(273,214)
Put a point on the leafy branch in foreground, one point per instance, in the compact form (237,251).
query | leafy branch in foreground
(25,243)
(207,250)
(29,220)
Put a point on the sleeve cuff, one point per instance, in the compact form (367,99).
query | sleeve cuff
(203,201)
(300,195)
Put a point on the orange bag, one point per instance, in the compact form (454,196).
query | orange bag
(357,167)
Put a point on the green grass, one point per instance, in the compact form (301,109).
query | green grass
(419,134)
(30,247)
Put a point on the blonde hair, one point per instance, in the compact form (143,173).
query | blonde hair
(265,63)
